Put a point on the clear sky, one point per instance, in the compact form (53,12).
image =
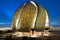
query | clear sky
(8,7)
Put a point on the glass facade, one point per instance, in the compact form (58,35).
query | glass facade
(30,16)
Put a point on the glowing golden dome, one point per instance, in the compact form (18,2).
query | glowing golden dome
(30,16)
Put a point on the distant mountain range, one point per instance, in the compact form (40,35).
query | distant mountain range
(55,28)
(3,29)
(56,25)
(5,25)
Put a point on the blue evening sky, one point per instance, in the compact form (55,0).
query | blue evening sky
(8,7)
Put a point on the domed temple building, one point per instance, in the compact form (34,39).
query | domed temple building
(31,18)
